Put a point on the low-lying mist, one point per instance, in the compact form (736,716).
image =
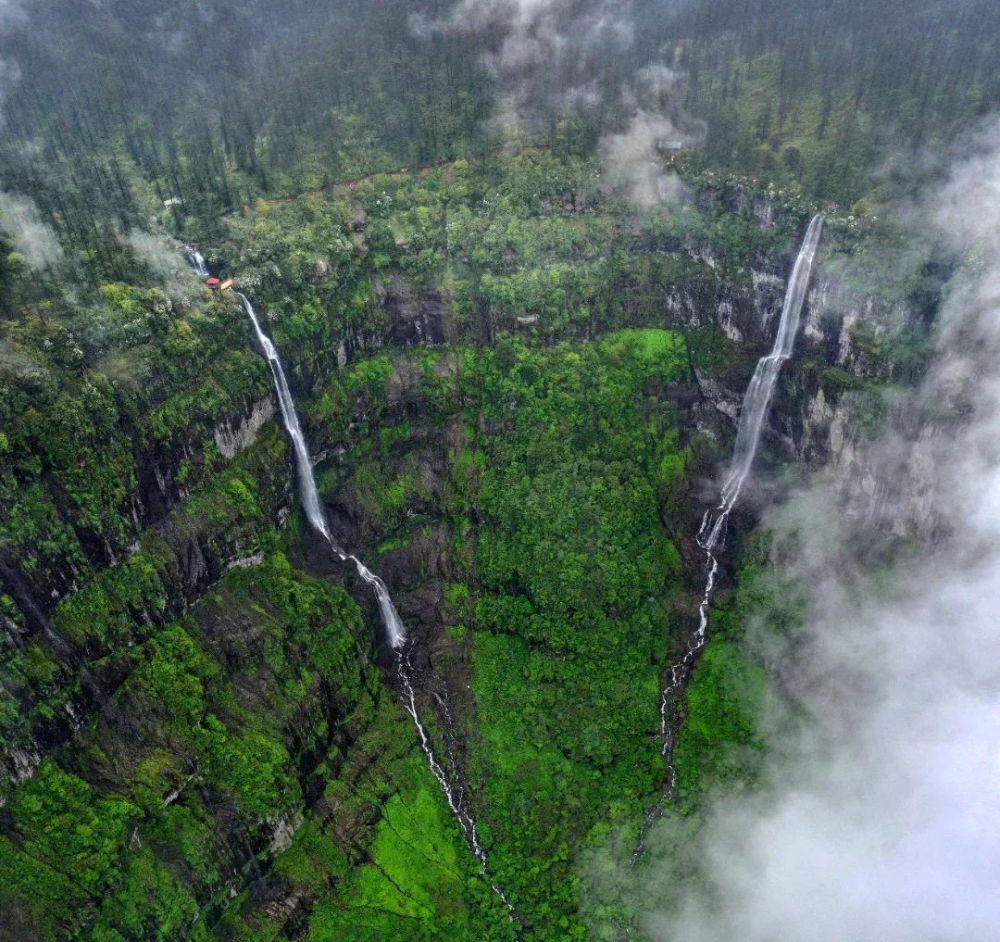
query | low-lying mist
(21,222)
(878,814)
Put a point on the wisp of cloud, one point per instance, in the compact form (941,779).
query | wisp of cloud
(21,223)
(880,821)
(552,58)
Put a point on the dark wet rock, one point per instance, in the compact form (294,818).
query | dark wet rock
(415,315)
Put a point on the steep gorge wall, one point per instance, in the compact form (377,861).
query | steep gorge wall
(742,307)
(209,494)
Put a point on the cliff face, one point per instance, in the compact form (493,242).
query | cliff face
(186,670)
(831,392)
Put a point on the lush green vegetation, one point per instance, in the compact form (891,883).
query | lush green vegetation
(419,881)
(733,718)
(216,107)
(504,369)
(543,456)
(721,742)
(573,577)
(561,464)
(183,741)
(194,756)
(532,476)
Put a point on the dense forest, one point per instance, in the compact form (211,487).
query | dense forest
(198,102)
(520,261)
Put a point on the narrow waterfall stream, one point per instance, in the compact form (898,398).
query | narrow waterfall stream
(395,632)
(197,261)
(393,624)
(756,405)
(712,532)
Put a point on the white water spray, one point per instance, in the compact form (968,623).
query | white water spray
(395,631)
(756,404)
(197,260)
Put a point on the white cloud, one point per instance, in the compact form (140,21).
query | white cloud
(881,823)
(20,221)
(162,256)
(12,12)
(633,162)
(546,56)
(552,57)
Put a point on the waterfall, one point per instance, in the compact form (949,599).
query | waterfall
(395,632)
(757,400)
(394,628)
(756,404)
(307,483)
(465,820)
(197,261)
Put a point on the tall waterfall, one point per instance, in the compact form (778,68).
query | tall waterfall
(756,404)
(757,400)
(395,631)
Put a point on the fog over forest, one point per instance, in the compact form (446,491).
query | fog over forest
(516,470)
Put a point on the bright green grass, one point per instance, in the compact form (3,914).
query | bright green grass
(653,343)
(418,880)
